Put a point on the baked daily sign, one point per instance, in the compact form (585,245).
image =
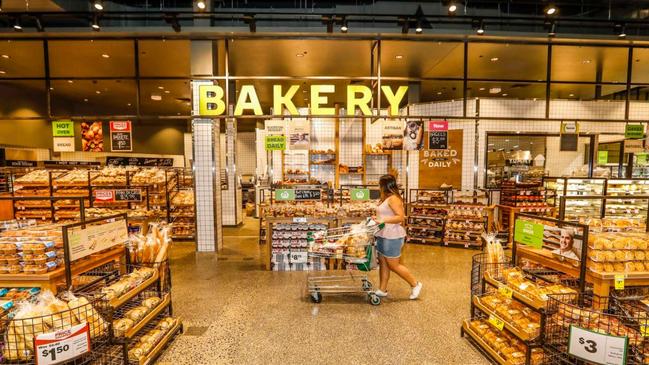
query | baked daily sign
(212,100)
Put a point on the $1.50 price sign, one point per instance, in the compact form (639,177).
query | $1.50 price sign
(596,347)
(61,346)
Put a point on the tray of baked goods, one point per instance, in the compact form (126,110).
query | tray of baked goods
(531,291)
(503,347)
(520,320)
(37,178)
(132,317)
(120,290)
(156,335)
(72,178)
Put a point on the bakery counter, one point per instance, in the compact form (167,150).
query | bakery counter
(56,277)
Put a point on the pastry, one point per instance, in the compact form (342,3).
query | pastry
(608,267)
(618,267)
(639,255)
(120,326)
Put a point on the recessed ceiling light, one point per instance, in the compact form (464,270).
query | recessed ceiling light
(97,92)
(5,56)
(86,100)
(299,55)
(482,89)
(51,88)
(156,97)
(99,5)
(506,140)
(495,90)
(2,72)
(70,81)
(505,94)
(439,93)
(129,104)
(161,87)
(551,10)
(452,8)
(105,55)
(586,62)
(398,56)
(167,91)
(201,5)
(515,146)
(494,59)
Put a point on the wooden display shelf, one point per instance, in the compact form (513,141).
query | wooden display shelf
(602,282)
(524,336)
(466,244)
(150,316)
(532,303)
(118,302)
(426,217)
(157,349)
(423,240)
(51,279)
(428,228)
(483,345)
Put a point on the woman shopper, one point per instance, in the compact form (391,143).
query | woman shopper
(390,239)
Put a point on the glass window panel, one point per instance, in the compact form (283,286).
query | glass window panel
(422,59)
(592,64)
(440,91)
(165,58)
(299,57)
(508,90)
(507,61)
(28,98)
(640,68)
(91,58)
(165,97)
(21,59)
(93,97)
(587,92)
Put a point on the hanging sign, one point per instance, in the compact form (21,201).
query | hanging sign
(92,137)
(61,346)
(299,135)
(121,138)
(602,157)
(63,144)
(569,128)
(569,136)
(633,146)
(128,195)
(413,135)
(437,140)
(528,233)
(62,128)
(635,131)
(284,194)
(442,167)
(359,194)
(275,143)
(20,163)
(139,161)
(392,134)
(596,347)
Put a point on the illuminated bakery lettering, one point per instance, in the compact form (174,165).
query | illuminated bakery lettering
(212,100)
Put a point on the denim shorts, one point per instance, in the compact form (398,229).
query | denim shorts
(389,247)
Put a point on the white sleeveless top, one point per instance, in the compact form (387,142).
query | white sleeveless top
(391,230)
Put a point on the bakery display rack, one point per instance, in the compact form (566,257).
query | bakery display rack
(465,225)
(425,222)
(181,215)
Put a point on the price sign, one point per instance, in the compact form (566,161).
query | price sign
(128,195)
(644,328)
(104,196)
(299,220)
(284,194)
(496,322)
(298,257)
(505,291)
(120,136)
(308,194)
(61,346)
(438,140)
(596,347)
(619,281)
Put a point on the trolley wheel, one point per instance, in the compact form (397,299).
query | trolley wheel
(367,285)
(316,297)
(375,300)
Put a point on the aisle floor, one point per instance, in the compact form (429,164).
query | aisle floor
(236,312)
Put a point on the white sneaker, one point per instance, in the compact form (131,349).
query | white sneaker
(380,293)
(414,294)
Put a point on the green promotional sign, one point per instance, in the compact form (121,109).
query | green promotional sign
(528,233)
(275,143)
(359,194)
(642,158)
(62,128)
(634,131)
(602,157)
(284,194)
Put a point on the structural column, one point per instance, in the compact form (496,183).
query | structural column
(205,155)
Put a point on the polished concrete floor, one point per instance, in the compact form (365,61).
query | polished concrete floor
(235,312)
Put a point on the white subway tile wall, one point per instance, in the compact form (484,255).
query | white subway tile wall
(203,156)
(246,152)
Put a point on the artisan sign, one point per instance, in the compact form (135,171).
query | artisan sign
(212,100)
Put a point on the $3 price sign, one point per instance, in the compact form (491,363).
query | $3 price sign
(596,347)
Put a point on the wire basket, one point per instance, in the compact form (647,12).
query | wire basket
(595,314)
(19,333)
(480,265)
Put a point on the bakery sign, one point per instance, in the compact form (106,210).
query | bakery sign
(121,138)
(85,241)
(442,167)
(63,133)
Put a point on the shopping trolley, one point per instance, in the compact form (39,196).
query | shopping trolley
(355,246)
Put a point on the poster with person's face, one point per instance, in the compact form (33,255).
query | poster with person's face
(413,135)
(392,135)
(565,241)
(299,135)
